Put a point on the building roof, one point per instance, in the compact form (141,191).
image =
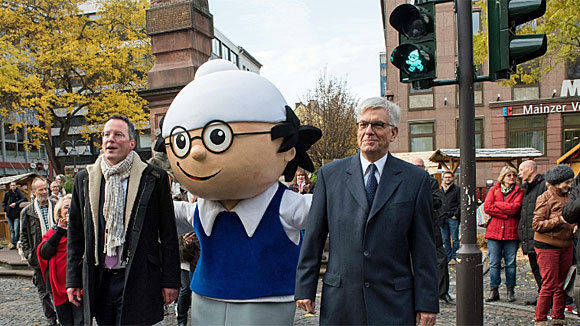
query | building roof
(18,177)
(451,156)
(430,166)
(572,155)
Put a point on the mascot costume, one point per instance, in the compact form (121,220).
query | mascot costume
(229,136)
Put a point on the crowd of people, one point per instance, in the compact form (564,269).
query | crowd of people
(128,241)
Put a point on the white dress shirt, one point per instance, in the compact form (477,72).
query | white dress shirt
(380,164)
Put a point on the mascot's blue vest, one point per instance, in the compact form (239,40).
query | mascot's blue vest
(235,266)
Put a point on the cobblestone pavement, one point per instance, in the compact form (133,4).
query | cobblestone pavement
(19,304)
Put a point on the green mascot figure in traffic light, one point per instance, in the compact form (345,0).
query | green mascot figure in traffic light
(229,136)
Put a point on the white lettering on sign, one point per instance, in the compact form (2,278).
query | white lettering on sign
(570,87)
(541,108)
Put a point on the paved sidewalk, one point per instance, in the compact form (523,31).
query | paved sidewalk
(11,264)
(19,304)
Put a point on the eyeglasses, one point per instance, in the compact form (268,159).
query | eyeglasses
(510,175)
(375,125)
(217,137)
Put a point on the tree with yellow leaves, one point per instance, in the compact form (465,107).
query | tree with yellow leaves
(561,24)
(58,63)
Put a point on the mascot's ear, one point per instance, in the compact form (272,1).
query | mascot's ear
(297,137)
(160,145)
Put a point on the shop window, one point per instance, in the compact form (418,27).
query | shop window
(479,135)
(527,131)
(570,131)
(420,99)
(421,136)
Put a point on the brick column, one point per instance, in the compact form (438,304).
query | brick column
(181,32)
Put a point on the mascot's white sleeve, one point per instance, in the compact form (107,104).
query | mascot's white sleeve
(293,212)
(184,216)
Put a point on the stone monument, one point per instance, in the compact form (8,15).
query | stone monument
(181,32)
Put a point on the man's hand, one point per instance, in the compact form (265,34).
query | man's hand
(169,295)
(12,205)
(74,296)
(306,305)
(188,238)
(425,319)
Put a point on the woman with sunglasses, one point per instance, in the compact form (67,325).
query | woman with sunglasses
(503,203)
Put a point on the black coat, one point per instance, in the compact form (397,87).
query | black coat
(571,213)
(451,202)
(437,195)
(532,191)
(382,265)
(150,250)
(13,197)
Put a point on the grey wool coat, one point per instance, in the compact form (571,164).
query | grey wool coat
(382,266)
(150,250)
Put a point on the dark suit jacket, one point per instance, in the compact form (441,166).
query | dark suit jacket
(382,266)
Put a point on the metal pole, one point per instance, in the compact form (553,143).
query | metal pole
(469,270)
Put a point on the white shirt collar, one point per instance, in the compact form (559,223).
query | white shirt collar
(380,164)
(250,211)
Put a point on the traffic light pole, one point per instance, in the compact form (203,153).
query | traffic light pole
(469,269)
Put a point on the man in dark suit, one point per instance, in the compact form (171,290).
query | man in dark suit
(376,210)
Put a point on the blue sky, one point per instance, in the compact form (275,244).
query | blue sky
(297,39)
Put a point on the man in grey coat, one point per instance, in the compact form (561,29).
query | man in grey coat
(376,210)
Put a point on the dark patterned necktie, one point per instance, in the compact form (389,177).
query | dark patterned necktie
(371,186)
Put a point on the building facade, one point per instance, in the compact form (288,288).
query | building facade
(544,115)
(222,47)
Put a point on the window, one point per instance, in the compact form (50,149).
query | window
(529,91)
(225,52)
(528,131)
(145,139)
(570,131)
(216,47)
(420,98)
(421,136)
(573,69)
(479,135)
(235,59)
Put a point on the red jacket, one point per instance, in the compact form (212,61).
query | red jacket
(504,212)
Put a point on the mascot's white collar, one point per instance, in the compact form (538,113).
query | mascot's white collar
(250,211)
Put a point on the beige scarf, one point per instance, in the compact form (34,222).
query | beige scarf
(114,204)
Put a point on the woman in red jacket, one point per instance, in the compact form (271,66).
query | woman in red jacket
(503,204)
(52,259)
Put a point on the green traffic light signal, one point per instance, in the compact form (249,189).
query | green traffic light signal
(506,49)
(415,55)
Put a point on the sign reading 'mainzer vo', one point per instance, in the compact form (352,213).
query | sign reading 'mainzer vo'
(570,88)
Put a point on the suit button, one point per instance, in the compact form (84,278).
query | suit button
(367,285)
(366,253)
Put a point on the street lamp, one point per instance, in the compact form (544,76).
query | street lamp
(73,151)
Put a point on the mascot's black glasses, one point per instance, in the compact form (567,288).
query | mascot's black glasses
(217,136)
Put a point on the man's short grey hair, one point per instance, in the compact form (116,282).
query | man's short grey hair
(529,163)
(393,109)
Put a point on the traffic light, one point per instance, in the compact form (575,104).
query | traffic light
(415,55)
(506,49)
